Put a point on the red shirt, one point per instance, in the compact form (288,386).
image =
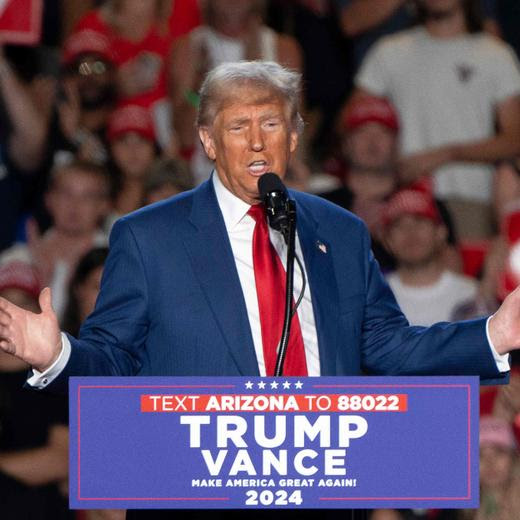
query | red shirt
(150,54)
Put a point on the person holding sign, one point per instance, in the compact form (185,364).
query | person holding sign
(192,283)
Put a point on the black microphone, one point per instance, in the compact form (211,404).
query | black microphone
(274,195)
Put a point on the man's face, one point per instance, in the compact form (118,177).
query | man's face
(414,240)
(93,78)
(441,7)
(133,154)
(77,201)
(250,137)
(371,147)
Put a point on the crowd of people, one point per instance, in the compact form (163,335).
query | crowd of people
(412,122)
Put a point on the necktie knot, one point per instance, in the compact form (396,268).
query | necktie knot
(257,212)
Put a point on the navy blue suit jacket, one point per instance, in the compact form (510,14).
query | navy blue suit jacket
(171,302)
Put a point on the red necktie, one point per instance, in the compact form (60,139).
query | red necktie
(270,289)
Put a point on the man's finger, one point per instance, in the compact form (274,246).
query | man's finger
(45,300)
(5,319)
(5,307)
(7,346)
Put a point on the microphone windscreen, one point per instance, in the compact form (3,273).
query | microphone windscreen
(268,183)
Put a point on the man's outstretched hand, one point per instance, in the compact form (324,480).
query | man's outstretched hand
(504,326)
(34,338)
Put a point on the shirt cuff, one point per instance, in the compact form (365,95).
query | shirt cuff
(502,360)
(42,379)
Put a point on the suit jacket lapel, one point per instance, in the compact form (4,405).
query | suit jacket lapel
(317,255)
(212,258)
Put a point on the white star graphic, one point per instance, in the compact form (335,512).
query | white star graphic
(298,385)
(261,385)
(286,385)
(274,384)
(249,385)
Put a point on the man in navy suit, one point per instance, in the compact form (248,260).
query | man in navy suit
(178,295)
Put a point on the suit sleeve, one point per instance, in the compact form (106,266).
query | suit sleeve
(390,346)
(113,338)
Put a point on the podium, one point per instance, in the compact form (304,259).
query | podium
(274,443)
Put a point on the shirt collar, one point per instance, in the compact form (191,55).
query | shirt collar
(233,209)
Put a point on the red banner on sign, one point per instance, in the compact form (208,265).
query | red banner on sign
(20,21)
(275,403)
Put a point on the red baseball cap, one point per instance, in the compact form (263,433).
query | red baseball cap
(410,202)
(368,109)
(86,41)
(20,275)
(131,118)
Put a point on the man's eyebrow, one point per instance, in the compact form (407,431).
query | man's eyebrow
(271,115)
(238,121)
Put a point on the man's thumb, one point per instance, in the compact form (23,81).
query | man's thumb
(45,300)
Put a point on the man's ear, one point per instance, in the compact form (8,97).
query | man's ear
(293,141)
(207,142)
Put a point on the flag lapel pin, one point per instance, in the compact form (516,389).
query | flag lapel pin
(322,247)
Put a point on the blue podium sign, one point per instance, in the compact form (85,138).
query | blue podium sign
(252,442)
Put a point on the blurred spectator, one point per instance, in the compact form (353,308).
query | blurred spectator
(83,289)
(133,150)
(75,121)
(167,177)
(77,200)
(425,290)
(450,84)
(369,132)
(86,95)
(33,431)
(22,144)
(139,41)
(233,30)
(140,36)
(365,21)
(499,475)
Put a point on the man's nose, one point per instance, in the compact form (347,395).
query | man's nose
(256,138)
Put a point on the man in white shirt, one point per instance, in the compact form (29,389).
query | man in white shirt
(425,290)
(452,85)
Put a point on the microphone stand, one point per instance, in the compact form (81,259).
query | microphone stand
(289,234)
